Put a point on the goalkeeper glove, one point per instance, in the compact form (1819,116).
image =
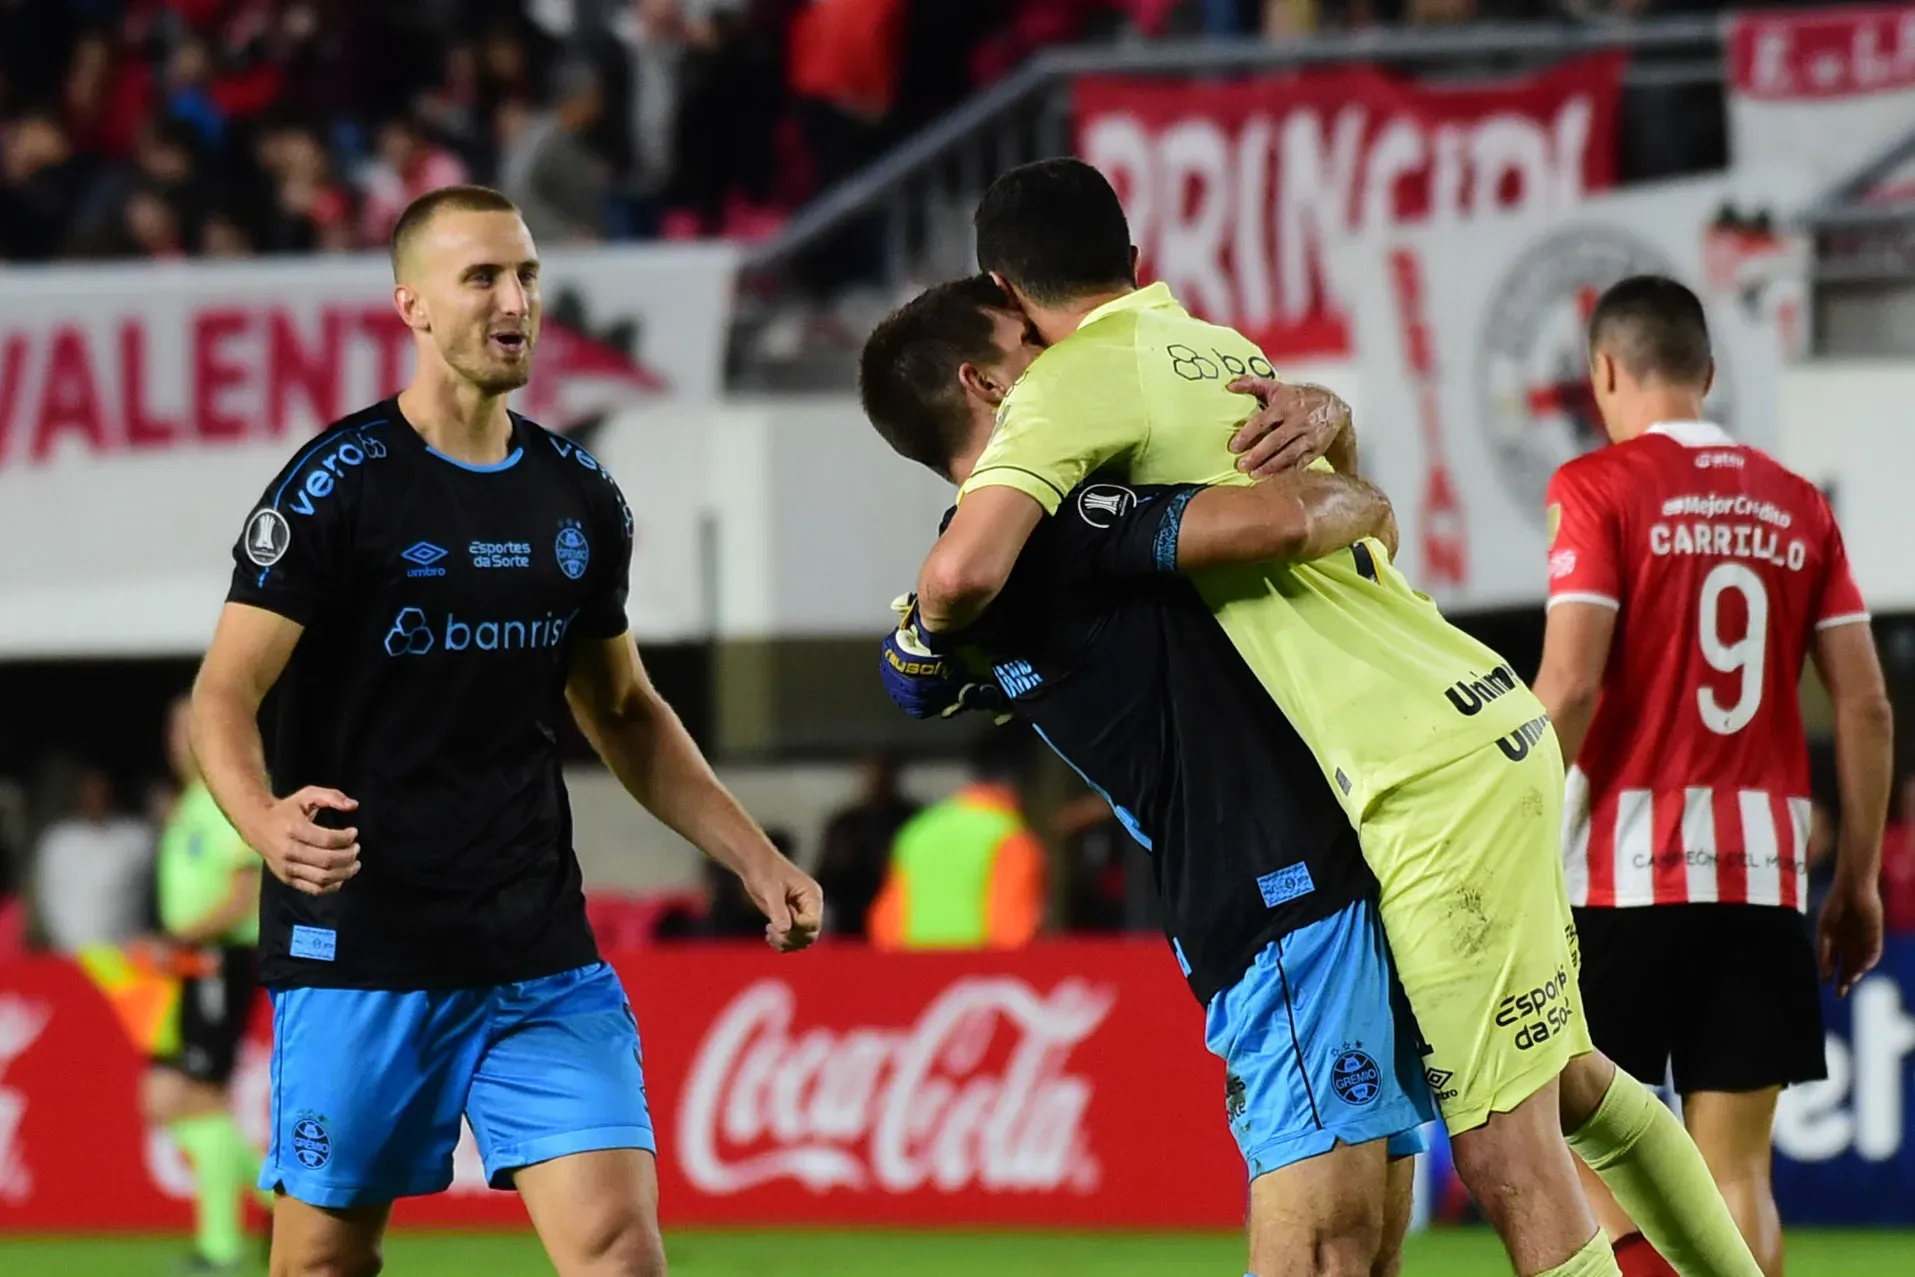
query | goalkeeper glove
(921,676)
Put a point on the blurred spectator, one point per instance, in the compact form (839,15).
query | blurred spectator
(152,225)
(1439,13)
(857,846)
(728,913)
(1109,881)
(508,69)
(408,165)
(1898,861)
(545,168)
(105,99)
(844,69)
(42,187)
(707,99)
(165,165)
(222,237)
(91,871)
(967,872)
(301,208)
(187,91)
(453,108)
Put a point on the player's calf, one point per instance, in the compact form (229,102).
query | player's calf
(1734,1130)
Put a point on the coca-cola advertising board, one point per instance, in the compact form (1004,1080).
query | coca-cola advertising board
(1064,1085)
(1236,190)
(1473,357)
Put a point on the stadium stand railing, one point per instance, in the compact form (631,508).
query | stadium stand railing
(904,219)
(1862,258)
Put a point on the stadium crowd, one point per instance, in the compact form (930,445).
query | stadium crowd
(224,128)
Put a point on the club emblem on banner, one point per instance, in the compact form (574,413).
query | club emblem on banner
(1535,405)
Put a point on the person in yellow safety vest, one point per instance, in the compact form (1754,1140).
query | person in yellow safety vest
(967,872)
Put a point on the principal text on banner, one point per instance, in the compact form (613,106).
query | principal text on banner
(1235,191)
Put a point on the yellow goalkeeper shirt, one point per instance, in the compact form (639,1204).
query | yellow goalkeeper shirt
(1379,685)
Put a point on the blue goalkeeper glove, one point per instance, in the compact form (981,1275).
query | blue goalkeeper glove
(921,676)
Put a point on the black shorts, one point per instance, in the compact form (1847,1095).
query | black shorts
(1728,994)
(214,1011)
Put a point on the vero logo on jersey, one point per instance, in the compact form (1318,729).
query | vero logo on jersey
(322,474)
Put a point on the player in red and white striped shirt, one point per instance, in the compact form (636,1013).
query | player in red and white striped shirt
(1689,578)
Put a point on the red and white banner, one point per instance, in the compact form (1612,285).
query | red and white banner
(1814,94)
(1236,191)
(106,360)
(1473,362)
(1066,1085)
(143,408)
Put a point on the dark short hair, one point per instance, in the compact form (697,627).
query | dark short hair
(1056,229)
(446,199)
(908,373)
(1654,327)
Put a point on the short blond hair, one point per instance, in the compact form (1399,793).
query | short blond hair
(446,199)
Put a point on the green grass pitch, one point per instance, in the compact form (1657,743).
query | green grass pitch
(1460,1252)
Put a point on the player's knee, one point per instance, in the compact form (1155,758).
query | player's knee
(1584,1082)
(336,1262)
(1349,1252)
(1347,1243)
(1389,1262)
(629,1247)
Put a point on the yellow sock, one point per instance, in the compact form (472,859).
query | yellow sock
(1595,1259)
(1657,1174)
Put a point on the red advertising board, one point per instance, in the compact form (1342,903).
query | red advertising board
(1064,1085)
(1237,190)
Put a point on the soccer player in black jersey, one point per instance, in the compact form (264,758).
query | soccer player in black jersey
(430,585)
(1115,660)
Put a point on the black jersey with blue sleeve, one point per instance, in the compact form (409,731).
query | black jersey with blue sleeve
(440,603)
(1120,667)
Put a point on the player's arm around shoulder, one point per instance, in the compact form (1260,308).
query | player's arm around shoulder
(642,740)
(1077,407)
(1295,517)
(972,560)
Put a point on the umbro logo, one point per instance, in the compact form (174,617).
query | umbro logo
(422,555)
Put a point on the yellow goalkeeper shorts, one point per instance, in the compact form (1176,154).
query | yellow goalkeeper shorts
(1469,858)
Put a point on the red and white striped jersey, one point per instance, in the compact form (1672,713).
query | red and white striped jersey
(1693,784)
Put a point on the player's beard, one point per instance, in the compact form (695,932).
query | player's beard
(488,371)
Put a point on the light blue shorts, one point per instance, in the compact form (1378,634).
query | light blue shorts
(1319,1047)
(369,1085)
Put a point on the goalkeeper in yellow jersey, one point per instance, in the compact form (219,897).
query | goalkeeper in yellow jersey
(1444,762)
